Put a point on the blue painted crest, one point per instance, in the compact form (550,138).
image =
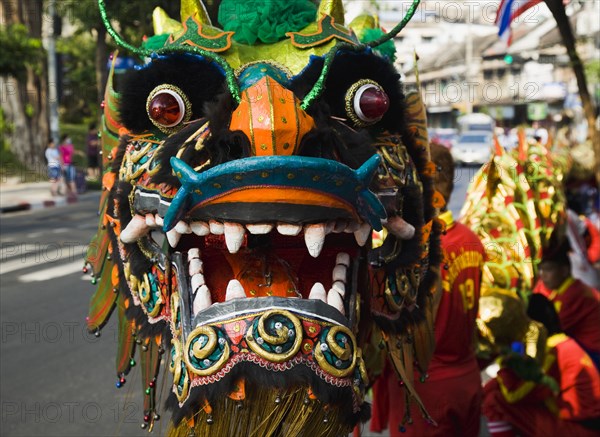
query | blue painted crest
(317,174)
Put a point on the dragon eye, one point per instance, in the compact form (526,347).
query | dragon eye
(366,102)
(167,107)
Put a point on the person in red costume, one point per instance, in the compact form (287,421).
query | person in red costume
(577,305)
(562,398)
(451,390)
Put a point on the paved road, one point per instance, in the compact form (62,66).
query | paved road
(58,380)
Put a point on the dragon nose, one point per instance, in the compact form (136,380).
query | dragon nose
(271,117)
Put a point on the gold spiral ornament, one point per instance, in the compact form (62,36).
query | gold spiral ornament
(336,351)
(206,350)
(144,289)
(150,296)
(275,336)
(181,378)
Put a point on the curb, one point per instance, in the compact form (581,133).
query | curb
(26,206)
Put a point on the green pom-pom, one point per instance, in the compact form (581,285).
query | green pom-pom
(265,21)
(387,49)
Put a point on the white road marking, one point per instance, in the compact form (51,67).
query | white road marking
(24,260)
(53,272)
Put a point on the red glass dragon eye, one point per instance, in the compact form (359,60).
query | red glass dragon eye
(370,103)
(166,107)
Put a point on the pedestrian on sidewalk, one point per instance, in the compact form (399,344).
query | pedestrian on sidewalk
(92,153)
(53,159)
(67,150)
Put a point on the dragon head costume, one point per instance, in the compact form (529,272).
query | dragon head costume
(267,203)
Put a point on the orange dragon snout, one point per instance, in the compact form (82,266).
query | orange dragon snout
(271,116)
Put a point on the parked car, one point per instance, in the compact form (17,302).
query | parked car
(444,137)
(473,147)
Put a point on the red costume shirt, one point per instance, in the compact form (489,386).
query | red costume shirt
(533,409)
(578,308)
(455,321)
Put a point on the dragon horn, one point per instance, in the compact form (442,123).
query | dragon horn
(396,30)
(191,7)
(162,23)
(333,8)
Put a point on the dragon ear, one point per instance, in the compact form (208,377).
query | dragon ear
(162,23)
(191,7)
(333,8)
(363,22)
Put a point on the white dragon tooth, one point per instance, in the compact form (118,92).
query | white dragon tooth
(339,273)
(202,299)
(235,290)
(216,228)
(339,226)
(335,300)
(362,234)
(135,229)
(183,228)
(352,227)
(194,252)
(318,292)
(314,238)
(400,228)
(340,287)
(288,229)
(234,236)
(197,281)
(195,266)
(150,220)
(343,259)
(173,237)
(259,228)
(200,228)
(159,220)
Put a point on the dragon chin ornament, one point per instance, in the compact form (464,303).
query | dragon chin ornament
(268,210)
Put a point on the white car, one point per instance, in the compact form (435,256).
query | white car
(473,147)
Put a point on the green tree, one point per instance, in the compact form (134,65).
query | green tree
(132,18)
(23,80)
(19,51)
(79,90)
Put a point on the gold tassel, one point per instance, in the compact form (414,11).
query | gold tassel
(266,413)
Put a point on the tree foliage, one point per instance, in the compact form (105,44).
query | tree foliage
(78,77)
(19,51)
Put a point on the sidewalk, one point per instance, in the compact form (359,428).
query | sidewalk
(19,196)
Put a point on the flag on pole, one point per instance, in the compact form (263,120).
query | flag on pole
(523,6)
(508,11)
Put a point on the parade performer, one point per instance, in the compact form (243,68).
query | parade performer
(247,165)
(560,399)
(451,389)
(577,305)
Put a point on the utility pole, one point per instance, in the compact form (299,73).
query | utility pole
(52,76)
(469,61)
